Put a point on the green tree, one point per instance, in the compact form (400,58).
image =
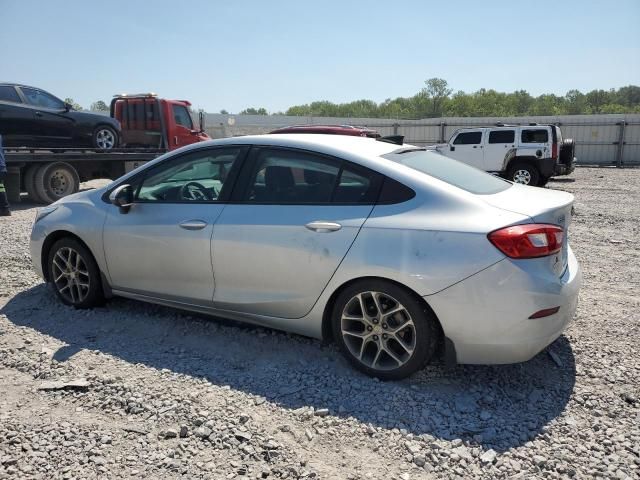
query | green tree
(99,106)
(596,99)
(224,112)
(254,111)
(436,99)
(74,105)
(436,93)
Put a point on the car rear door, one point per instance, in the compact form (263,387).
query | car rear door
(498,145)
(16,118)
(292,219)
(51,125)
(466,146)
(162,246)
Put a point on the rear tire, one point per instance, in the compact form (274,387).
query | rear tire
(105,138)
(524,173)
(383,329)
(30,183)
(54,181)
(74,274)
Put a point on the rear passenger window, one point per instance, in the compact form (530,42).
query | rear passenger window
(502,136)
(292,177)
(9,94)
(468,138)
(535,136)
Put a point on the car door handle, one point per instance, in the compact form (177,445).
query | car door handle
(321,226)
(38,114)
(193,224)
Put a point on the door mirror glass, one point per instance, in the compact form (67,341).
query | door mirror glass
(122,197)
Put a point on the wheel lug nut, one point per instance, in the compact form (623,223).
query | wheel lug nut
(375,337)
(375,320)
(384,335)
(369,328)
(384,325)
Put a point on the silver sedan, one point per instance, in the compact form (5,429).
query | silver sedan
(392,251)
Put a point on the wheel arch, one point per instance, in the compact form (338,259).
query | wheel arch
(52,238)
(327,334)
(521,158)
(116,130)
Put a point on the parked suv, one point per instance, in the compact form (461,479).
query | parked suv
(31,117)
(523,154)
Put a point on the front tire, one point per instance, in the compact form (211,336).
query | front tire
(383,330)
(524,173)
(105,138)
(74,274)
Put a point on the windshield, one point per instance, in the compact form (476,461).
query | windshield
(449,170)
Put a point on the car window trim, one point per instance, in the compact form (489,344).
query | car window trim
(248,172)
(137,179)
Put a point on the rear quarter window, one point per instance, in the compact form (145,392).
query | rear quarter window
(450,171)
(537,135)
(9,94)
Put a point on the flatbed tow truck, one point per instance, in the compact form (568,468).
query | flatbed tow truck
(151,127)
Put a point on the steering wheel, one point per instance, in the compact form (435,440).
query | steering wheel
(194,191)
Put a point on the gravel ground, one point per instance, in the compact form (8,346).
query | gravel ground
(139,391)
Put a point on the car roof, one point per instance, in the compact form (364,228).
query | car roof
(19,85)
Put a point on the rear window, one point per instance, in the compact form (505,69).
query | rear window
(535,136)
(451,171)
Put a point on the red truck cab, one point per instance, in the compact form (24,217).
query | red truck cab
(151,122)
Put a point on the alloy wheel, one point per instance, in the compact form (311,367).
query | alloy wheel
(105,139)
(522,176)
(378,330)
(71,275)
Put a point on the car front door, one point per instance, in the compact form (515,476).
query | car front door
(500,142)
(290,224)
(52,124)
(16,119)
(467,147)
(162,246)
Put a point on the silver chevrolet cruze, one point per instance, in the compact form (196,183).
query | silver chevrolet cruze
(392,251)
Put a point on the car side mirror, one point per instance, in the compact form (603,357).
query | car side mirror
(122,197)
(452,148)
(201,120)
(67,106)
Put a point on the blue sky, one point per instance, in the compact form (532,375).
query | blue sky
(274,54)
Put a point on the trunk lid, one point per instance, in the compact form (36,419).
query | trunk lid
(542,205)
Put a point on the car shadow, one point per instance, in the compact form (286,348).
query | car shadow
(497,407)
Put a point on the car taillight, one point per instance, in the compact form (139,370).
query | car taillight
(554,150)
(528,241)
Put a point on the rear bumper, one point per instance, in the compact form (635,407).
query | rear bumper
(563,169)
(486,316)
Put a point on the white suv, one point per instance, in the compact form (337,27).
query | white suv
(523,154)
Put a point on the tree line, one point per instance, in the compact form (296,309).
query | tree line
(436,99)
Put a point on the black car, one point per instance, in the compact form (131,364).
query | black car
(31,117)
